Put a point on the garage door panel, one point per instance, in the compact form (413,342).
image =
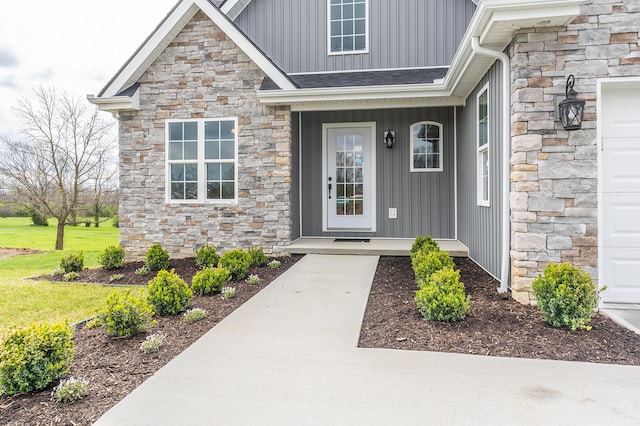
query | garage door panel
(620,191)
(622,218)
(623,278)
(621,170)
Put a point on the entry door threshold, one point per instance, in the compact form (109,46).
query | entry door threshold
(352,240)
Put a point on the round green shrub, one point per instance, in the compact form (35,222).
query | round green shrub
(32,358)
(168,294)
(423,243)
(237,262)
(427,262)
(157,258)
(442,297)
(111,257)
(124,315)
(38,219)
(72,262)
(207,257)
(258,258)
(210,281)
(566,296)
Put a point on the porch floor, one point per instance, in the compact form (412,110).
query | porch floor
(376,246)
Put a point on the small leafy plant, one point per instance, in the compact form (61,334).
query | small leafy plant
(210,281)
(111,257)
(237,261)
(253,279)
(58,272)
(70,276)
(142,271)
(124,315)
(207,257)
(32,358)
(193,315)
(70,390)
(258,258)
(566,296)
(152,343)
(442,297)
(72,262)
(168,293)
(157,258)
(116,277)
(274,264)
(228,292)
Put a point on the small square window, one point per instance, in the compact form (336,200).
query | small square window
(347,26)
(426,147)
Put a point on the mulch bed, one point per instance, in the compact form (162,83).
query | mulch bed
(497,325)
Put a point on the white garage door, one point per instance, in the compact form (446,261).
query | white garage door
(620,197)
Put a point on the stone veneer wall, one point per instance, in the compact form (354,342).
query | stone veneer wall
(554,172)
(203,74)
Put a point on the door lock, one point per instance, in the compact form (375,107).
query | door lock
(330,186)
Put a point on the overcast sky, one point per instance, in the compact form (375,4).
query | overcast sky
(74,45)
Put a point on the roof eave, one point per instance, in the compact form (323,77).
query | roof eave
(116,104)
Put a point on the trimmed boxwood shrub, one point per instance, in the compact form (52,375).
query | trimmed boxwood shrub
(442,297)
(111,257)
(207,257)
(32,358)
(210,281)
(427,262)
(566,296)
(237,262)
(258,258)
(72,262)
(157,258)
(168,294)
(423,243)
(124,315)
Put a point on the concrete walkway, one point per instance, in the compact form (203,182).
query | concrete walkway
(288,357)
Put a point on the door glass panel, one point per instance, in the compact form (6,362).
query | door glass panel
(349,175)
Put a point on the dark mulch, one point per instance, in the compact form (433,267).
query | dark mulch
(497,326)
(114,367)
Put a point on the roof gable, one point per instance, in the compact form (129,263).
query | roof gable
(166,32)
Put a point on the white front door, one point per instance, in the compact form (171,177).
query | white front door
(349,176)
(619,231)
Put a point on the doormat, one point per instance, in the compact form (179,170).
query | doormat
(352,240)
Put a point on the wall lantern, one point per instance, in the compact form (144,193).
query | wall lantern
(571,108)
(389,138)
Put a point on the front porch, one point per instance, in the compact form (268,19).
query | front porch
(368,246)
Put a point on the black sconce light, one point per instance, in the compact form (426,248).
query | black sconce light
(389,138)
(571,109)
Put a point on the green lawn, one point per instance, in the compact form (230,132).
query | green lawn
(23,302)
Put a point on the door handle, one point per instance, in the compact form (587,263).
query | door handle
(330,186)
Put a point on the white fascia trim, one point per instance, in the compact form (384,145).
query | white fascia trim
(115,104)
(171,27)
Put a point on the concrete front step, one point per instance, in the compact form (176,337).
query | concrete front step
(373,246)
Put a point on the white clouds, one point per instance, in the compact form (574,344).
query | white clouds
(74,45)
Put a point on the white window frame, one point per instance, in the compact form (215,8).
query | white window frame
(201,162)
(366,30)
(482,151)
(440,148)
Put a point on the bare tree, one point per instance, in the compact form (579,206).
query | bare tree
(63,146)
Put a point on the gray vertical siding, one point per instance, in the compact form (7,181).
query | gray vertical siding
(425,200)
(402,33)
(479,228)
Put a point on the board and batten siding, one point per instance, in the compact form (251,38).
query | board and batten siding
(425,200)
(479,228)
(402,33)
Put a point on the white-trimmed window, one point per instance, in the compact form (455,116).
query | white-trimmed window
(482,168)
(426,147)
(348,26)
(202,160)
